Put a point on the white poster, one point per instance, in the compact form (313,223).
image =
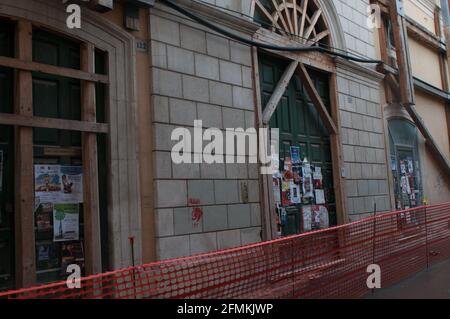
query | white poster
(308,187)
(58,184)
(66,222)
(72,184)
(320,196)
(47,183)
(317,175)
(307,214)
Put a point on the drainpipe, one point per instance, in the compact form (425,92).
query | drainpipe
(445,14)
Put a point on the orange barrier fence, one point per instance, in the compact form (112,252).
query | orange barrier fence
(330,263)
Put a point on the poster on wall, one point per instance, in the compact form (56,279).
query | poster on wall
(295,155)
(320,196)
(66,219)
(44,218)
(72,184)
(296,197)
(58,184)
(1,171)
(315,217)
(47,183)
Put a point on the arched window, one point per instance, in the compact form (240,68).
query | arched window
(302,20)
(405,163)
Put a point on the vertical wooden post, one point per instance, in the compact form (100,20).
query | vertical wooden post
(336,151)
(24,192)
(92,238)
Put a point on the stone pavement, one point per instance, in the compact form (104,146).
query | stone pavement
(433,283)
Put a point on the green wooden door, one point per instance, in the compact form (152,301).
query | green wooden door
(6,164)
(299,122)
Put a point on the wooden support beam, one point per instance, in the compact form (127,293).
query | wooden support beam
(316,99)
(59,124)
(92,238)
(402,50)
(406,82)
(24,173)
(337,158)
(25,65)
(278,92)
(431,144)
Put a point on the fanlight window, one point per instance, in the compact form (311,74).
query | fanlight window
(300,20)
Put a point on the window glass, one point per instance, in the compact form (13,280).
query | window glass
(405,164)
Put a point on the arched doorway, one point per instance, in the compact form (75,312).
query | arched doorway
(405,163)
(304,190)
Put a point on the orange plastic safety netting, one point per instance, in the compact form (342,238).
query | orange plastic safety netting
(330,263)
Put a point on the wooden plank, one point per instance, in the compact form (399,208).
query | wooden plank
(336,153)
(266,191)
(51,69)
(60,124)
(278,92)
(315,98)
(316,60)
(304,13)
(92,238)
(403,60)
(311,27)
(24,173)
(432,145)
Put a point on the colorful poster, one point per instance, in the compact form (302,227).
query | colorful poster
(47,256)
(315,217)
(72,184)
(58,184)
(295,155)
(296,197)
(319,217)
(320,196)
(402,167)
(44,218)
(66,226)
(47,183)
(286,194)
(1,170)
(404,182)
(410,166)
(72,253)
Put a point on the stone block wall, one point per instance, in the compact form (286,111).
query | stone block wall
(199,75)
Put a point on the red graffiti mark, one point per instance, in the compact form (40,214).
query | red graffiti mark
(194,202)
(197,214)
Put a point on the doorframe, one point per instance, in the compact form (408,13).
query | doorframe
(268,203)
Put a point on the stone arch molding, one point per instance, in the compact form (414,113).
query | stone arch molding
(124,200)
(309,21)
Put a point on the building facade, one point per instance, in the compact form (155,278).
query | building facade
(88,118)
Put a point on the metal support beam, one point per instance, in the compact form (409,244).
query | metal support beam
(278,92)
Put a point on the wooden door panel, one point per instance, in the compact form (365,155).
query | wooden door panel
(300,123)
